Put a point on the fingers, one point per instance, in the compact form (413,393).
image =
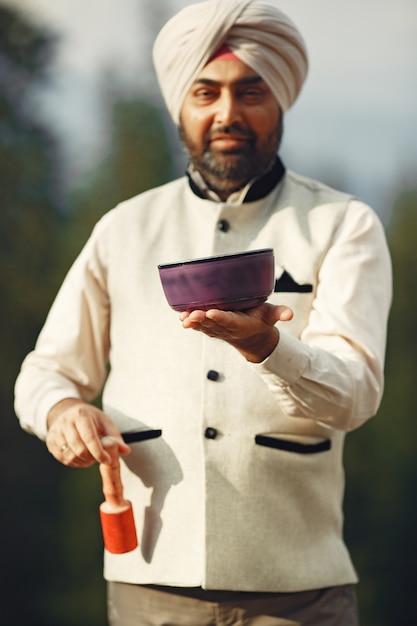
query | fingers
(252,332)
(73,444)
(270,314)
(283,313)
(84,440)
(207,321)
(111,444)
(111,430)
(74,436)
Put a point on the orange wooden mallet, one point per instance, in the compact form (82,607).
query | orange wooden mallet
(116,513)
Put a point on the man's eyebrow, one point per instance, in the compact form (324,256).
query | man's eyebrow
(251,80)
(246,80)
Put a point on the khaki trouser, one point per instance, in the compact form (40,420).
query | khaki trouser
(136,605)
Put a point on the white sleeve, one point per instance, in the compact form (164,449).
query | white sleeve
(71,353)
(334,372)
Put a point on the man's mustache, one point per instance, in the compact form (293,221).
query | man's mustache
(233,129)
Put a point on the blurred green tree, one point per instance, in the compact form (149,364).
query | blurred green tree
(29,219)
(28,172)
(381,508)
(139,158)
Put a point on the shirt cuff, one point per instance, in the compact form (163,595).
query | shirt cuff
(54,394)
(287,363)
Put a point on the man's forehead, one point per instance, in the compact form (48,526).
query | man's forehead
(227,71)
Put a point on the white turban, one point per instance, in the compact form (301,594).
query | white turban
(257,33)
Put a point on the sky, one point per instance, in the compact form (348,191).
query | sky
(354,124)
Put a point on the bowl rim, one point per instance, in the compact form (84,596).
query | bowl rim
(217,257)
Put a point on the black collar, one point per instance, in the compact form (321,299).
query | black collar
(260,188)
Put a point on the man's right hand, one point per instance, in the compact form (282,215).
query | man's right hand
(75,429)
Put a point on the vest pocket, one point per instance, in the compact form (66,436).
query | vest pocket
(301,445)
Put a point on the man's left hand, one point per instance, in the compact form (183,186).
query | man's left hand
(253,332)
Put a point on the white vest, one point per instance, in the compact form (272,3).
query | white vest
(225,512)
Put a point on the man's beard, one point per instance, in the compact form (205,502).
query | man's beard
(230,170)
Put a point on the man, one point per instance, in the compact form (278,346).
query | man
(238,504)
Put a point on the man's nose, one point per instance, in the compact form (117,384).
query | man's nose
(228,110)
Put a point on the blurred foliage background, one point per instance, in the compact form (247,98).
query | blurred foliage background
(50,544)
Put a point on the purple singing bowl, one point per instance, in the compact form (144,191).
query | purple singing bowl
(231,282)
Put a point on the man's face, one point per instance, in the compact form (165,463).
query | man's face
(231,125)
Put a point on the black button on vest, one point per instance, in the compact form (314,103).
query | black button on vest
(213,375)
(223,225)
(210,433)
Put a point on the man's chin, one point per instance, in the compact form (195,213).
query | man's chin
(229,164)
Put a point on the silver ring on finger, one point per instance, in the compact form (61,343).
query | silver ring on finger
(64,447)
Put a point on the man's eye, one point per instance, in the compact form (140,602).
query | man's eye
(204,93)
(252,93)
